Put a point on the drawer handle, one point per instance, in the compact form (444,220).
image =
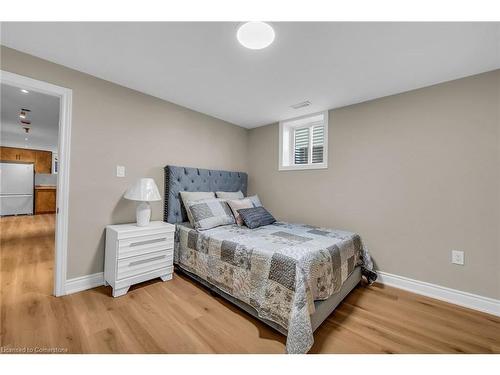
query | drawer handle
(137,262)
(147,242)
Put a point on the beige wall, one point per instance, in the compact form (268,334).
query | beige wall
(114,125)
(416,174)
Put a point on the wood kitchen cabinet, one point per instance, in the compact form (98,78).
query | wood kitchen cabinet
(9,154)
(26,155)
(17,154)
(43,162)
(45,200)
(41,159)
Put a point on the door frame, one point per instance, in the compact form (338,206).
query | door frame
(64,145)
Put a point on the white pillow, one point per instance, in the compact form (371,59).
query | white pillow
(255,200)
(191,196)
(230,194)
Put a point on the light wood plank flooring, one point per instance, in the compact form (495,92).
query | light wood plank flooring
(180,316)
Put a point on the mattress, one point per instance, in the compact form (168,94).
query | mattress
(279,269)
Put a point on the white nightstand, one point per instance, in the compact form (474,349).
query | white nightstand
(135,254)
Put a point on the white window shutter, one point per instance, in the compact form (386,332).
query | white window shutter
(301,150)
(318,143)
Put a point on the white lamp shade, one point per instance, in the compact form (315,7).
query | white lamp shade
(144,189)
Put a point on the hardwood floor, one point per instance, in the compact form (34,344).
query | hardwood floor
(179,316)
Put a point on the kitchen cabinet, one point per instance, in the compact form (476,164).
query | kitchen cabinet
(45,200)
(41,159)
(43,162)
(17,154)
(27,156)
(9,154)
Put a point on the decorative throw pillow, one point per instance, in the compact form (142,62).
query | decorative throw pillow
(188,196)
(255,200)
(210,213)
(229,194)
(256,217)
(238,204)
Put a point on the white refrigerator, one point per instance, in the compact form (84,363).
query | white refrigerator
(16,189)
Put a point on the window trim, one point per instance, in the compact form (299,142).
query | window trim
(291,143)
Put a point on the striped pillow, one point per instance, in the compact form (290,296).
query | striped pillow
(256,217)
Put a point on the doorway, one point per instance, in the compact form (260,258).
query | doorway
(42,160)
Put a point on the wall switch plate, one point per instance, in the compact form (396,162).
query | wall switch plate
(120,171)
(457,257)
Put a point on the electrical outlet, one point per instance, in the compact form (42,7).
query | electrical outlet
(457,257)
(120,171)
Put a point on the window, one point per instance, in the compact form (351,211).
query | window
(304,142)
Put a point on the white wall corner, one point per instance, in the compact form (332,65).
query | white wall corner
(457,297)
(84,282)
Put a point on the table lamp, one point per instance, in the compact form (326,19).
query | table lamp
(143,191)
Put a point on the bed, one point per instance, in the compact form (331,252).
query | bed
(290,276)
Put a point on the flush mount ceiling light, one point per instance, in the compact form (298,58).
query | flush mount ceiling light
(255,35)
(24,91)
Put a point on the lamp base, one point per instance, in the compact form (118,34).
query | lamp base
(143,214)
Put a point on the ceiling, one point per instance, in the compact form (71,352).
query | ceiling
(44,117)
(201,65)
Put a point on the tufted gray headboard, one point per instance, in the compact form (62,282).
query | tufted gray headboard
(179,179)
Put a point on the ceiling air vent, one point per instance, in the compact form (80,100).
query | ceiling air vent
(307,103)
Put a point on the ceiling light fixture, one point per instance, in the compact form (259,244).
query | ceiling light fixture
(255,35)
(25,91)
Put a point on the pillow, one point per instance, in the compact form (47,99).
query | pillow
(256,217)
(238,204)
(230,194)
(210,213)
(188,196)
(255,200)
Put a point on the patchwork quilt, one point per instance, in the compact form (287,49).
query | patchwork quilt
(278,269)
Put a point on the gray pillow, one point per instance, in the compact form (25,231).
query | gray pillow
(210,213)
(229,194)
(255,200)
(256,217)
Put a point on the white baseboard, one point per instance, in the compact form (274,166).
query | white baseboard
(84,282)
(472,301)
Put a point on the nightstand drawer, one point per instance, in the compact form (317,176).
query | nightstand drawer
(148,262)
(144,244)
